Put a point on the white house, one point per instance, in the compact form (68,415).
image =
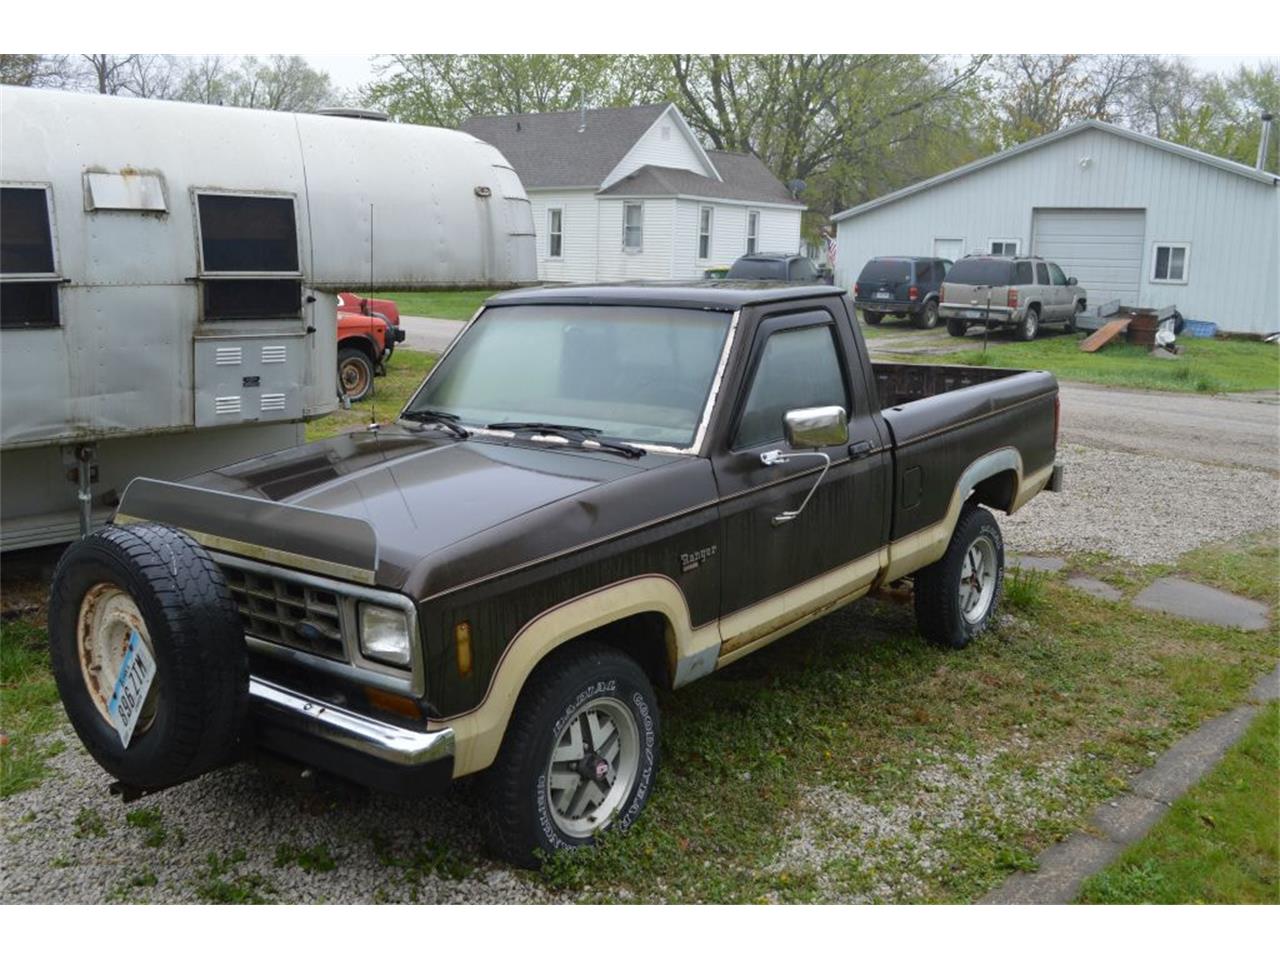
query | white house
(1136,219)
(629,193)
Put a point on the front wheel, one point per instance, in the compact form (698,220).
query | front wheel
(927,318)
(355,373)
(579,757)
(1076,310)
(957,597)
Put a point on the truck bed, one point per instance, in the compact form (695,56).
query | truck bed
(901,383)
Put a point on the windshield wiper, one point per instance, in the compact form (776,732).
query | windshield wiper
(588,437)
(449,421)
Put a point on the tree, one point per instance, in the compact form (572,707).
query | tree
(109,71)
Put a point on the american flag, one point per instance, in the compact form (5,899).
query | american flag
(830,239)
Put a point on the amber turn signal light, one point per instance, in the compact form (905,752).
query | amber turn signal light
(393,703)
(462,642)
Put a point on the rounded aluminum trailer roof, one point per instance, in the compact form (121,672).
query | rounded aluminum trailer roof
(444,209)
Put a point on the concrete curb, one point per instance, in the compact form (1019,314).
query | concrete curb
(1126,819)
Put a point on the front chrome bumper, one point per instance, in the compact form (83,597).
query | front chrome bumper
(372,738)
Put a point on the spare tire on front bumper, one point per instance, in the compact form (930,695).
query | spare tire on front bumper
(149,584)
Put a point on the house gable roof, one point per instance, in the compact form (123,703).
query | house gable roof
(743,177)
(547,149)
(1230,166)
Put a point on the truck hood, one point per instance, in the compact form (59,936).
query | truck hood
(418,492)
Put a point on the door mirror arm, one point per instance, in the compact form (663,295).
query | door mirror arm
(774,458)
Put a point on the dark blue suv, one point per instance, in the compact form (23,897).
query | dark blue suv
(901,287)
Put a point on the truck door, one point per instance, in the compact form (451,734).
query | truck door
(778,572)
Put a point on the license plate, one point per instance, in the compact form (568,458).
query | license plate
(974,314)
(132,683)
(883,295)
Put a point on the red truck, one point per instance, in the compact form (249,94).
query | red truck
(368,331)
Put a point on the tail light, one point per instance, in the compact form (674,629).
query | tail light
(1013,298)
(857,289)
(942,293)
(913,293)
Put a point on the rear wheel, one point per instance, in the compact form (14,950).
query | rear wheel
(956,597)
(355,373)
(927,318)
(872,318)
(579,756)
(956,327)
(1030,325)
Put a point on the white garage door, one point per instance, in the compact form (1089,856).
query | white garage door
(1102,248)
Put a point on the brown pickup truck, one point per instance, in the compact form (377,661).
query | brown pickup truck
(596,491)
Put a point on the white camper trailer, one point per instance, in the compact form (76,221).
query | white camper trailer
(168,271)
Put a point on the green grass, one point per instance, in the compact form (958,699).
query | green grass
(1206,366)
(442,304)
(313,859)
(29,707)
(405,371)
(1219,843)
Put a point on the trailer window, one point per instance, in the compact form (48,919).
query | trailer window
(249,257)
(28,274)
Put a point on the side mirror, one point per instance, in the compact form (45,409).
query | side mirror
(813,428)
(1072,281)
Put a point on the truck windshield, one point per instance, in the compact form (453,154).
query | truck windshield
(980,271)
(879,271)
(639,374)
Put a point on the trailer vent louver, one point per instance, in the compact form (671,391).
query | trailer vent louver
(271,401)
(274,354)
(228,356)
(226,405)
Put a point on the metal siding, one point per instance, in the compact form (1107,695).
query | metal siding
(1231,221)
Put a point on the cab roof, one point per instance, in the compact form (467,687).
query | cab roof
(704,295)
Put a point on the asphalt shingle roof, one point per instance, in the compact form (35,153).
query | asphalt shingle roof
(547,150)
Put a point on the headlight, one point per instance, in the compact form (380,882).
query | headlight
(384,634)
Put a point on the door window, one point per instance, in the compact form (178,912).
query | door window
(1057,276)
(1042,275)
(798,368)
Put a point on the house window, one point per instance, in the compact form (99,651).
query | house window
(753,230)
(28,270)
(555,232)
(1170,263)
(249,257)
(704,233)
(633,227)
(1004,248)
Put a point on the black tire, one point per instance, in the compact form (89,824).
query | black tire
(1030,325)
(939,613)
(522,827)
(1076,310)
(956,327)
(873,319)
(927,318)
(202,670)
(355,373)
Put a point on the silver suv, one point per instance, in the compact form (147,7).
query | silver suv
(1017,292)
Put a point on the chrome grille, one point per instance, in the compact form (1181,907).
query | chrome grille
(284,611)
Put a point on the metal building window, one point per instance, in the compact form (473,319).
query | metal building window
(1170,263)
(633,227)
(753,230)
(1004,248)
(555,232)
(28,267)
(249,257)
(705,215)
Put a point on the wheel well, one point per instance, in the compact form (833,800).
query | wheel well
(363,344)
(996,491)
(1036,304)
(646,637)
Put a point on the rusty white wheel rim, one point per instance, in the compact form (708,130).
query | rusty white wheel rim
(355,380)
(593,765)
(108,616)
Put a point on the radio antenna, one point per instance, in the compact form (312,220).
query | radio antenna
(373,391)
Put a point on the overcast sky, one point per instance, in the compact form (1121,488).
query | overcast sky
(352,71)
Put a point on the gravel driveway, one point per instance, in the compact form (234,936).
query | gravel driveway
(1206,471)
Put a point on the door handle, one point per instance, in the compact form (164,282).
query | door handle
(860,449)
